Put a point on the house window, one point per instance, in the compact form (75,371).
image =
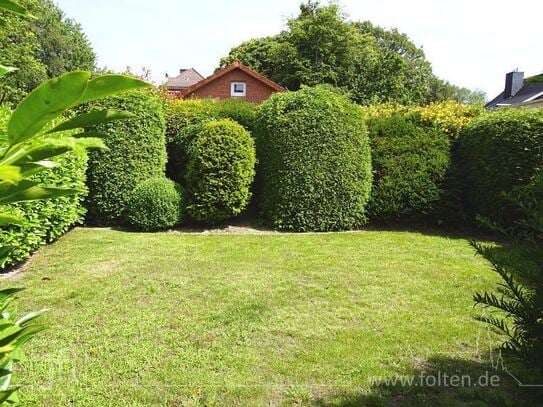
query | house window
(238,89)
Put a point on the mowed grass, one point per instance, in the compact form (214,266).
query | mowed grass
(178,319)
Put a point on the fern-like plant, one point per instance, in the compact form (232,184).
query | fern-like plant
(517,306)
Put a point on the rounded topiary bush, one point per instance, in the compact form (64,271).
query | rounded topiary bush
(137,151)
(155,204)
(314,161)
(183,114)
(410,164)
(499,151)
(220,170)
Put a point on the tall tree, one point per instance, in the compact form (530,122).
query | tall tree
(369,63)
(46,46)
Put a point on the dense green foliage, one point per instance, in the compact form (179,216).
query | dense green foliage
(41,221)
(45,46)
(136,152)
(410,163)
(517,308)
(182,114)
(371,64)
(314,161)
(499,151)
(220,170)
(47,220)
(14,332)
(155,204)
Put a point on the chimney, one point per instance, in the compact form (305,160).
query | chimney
(182,70)
(514,81)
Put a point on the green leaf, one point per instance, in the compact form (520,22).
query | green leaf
(4,255)
(108,85)
(90,134)
(44,151)
(6,219)
(10,173)
(92,119)
(9,292)
(7,394)
(11,6)
(31,316)
(6,368)
(45,103)
(30,191)
(6,69)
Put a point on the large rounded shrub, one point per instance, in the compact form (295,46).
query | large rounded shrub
(155,204)
(410,163)
(220,170)
(500,151)
(137,151)
(182,114)
(314,161)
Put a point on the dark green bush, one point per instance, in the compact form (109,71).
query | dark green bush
(182,114)
(45,220)
(314,161)
(499,151)
(220,170)
(410,162)
(155,204)
(137,151)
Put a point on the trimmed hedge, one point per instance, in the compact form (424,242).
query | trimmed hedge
(314,161)
(449,116)
(137,151)
(46,220)
(500,151)
(155,204)
(181,113)
(410,164)
(220,170)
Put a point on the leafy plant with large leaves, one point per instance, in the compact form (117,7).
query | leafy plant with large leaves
(27,149)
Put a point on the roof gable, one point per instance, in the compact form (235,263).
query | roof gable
(233,66)
(185,79)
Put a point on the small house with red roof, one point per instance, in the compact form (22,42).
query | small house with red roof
(234,81)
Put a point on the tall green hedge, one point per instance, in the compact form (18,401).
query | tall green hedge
(499,151)
(137,151)
(220,171)
(314,161)
(410,163)
(46,220)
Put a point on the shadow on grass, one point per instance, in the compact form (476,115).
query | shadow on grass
(443,381)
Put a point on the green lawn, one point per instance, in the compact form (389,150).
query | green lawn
(276,319)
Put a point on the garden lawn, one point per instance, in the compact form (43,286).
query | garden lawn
(276,319)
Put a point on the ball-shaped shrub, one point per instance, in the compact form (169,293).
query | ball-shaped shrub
(314,161)
(137,151)
(155,204)
(500,151)
(410,163)
(182,114)
(220,171)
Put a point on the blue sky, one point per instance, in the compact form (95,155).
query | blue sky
(471,43)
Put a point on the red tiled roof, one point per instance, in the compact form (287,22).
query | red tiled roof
(230,68)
